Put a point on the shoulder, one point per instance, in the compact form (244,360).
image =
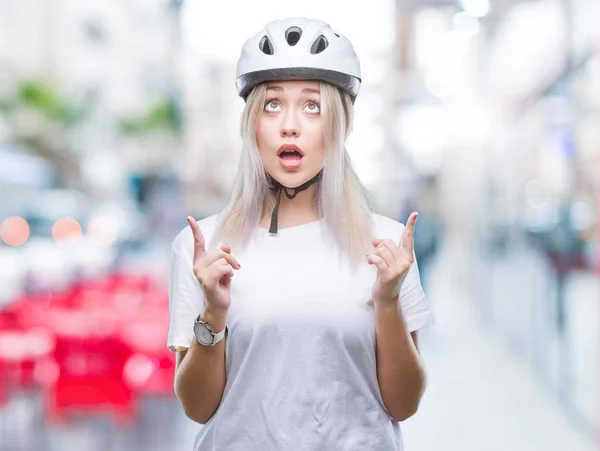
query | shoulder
(386,227)
(183,243)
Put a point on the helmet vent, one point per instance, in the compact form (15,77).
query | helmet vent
(319,45)
(292,35)
(265,46)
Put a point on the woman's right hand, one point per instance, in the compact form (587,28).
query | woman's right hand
(213,270)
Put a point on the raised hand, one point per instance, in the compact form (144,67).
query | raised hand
(213,270)
(393,263)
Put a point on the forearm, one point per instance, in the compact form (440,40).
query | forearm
(200,377)
(400,370)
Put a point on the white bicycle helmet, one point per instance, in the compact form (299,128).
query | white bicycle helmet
(298,49)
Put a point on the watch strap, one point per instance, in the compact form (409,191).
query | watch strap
(216,337)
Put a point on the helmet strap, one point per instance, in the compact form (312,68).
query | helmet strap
(279,188)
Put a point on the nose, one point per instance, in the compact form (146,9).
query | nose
(290,126)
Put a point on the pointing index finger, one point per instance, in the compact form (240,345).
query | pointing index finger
(408,242)
(199,243)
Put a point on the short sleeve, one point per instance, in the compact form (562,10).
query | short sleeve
(413,301)
(186,302)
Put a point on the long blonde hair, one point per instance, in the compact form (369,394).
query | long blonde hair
(340,197)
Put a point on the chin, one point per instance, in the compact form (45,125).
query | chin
(293,179)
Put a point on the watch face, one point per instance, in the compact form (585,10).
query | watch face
(203,334)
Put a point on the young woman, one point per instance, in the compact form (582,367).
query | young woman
(295,316)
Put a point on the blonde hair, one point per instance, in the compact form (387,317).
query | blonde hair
(340,197)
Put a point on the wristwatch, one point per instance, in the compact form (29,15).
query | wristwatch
(205,335)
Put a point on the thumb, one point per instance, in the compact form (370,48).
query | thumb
(226,248)
(377,241)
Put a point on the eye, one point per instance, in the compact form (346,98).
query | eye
(272,105)
(313,107)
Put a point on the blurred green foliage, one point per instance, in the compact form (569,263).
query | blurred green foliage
(162,116)
(45,98)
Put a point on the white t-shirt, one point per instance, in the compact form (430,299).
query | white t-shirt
(300,353)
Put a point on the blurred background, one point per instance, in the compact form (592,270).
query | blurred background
(119,117)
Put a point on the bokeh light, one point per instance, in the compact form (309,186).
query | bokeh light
(102,230)
(14,231)
(66,230)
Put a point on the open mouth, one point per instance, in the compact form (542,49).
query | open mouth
(290,155)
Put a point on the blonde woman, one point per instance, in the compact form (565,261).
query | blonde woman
(295,311)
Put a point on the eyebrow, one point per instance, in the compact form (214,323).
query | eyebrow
(280,89)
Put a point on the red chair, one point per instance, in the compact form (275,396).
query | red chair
(107,346)
(4,384)
(22,351)
(151,369)
(91,361)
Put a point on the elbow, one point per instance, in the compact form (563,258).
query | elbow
(196,416)
(405,413)
(193,412)
(191,409)
(406,408)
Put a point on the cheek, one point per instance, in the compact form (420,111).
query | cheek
(264,137)
(319,140)
(260,136)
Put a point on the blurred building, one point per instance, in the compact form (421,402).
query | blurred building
(499,102)
(116,61)
(211,135)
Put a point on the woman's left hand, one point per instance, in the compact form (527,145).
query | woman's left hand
(393,263)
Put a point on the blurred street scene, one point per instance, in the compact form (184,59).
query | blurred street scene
(120,117)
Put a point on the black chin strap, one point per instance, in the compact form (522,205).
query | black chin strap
(279,188)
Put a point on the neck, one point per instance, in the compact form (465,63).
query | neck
(298,211)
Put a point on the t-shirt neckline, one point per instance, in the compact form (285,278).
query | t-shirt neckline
(294,230)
